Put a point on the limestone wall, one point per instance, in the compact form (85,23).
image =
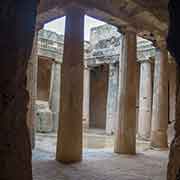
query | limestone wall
(98,96)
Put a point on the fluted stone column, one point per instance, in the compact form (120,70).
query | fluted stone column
(69,145)
(32,89)
(137,95)
(172,90)
(145,100)
(125,140)
(54,97)
(111,114)
(160,100)
(86,96)
(172,98)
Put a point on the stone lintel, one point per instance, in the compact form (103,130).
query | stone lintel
(97,61)
(145,60)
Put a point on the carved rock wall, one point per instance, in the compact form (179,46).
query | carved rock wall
(17,19)
(174,161)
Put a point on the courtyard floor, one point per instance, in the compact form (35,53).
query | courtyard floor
(99,161)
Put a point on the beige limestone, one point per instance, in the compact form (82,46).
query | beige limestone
(86,97)
(54,95)
(44,121)
(174,161)
(125,141)
(138,69)
(160,100)
(69,145)
(145,100)
(172,91)
(32,89)
(98,96)
(44,78)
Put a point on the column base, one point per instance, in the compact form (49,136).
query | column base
(68,159)
(159,139)
(143,137)
(125,144)
(55,119)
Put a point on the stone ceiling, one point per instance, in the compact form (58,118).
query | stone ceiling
(149,18)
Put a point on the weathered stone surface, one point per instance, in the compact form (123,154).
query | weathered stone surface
(86,97)
(69,145)
(145,100)
(160,101)
(105,44)
(98,96)
(54,97)
(112,110)
(17,19)
(50,45)
(174,162)
(32,89)
(125,140)
(102,165)
(44,122)
(172,90)
(105,49)
(145,18)
(44,78)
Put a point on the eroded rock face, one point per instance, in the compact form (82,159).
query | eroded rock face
(17,19)
(174,161)
(173,41)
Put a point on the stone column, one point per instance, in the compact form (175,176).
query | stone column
(172,90)
(54,97)
(69,145)
(86,97)
(125,141)
(98,96)
(137,95)
(160,100)
(145,100)
(112,98)
(172,98)
(32,89)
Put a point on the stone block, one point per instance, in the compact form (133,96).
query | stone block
(44,122)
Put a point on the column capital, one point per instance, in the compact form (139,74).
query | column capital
(161,43)
(57,61)
(147,60)
(126,29)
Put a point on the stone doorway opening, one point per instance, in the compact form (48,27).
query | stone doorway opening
(50,55)
(100,103)
(50,45)
(101,84)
